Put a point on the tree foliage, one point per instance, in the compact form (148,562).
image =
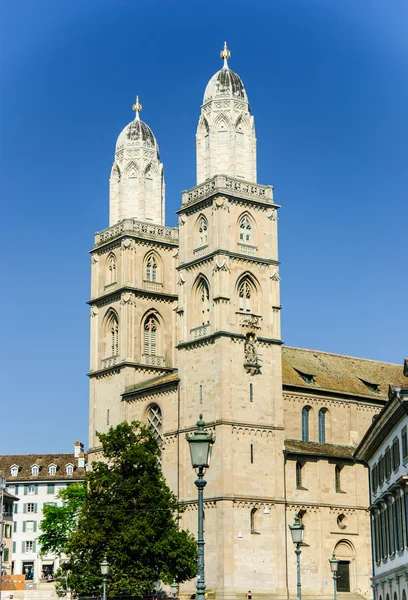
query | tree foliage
(60,522)
(130,516)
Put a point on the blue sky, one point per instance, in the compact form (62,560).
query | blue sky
(328,88)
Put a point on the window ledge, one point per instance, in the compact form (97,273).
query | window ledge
(300,487)
(109,285)
(248,249)
(255,533)
(340,492)
(200,331)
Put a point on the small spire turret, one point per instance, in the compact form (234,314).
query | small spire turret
(225,54)
(137,107)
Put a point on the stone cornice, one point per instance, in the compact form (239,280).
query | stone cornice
(128,363)
(210,339)
(324,393)
(220,422)
(101,300)
(233,255)
(229,187)
(137,229)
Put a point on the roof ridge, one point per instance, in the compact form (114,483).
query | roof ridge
(374,360)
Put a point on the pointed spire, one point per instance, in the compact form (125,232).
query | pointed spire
(137,107)
(225,54)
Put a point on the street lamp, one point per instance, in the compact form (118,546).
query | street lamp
(334,565)
(296,531)
(2,488)
(104,570)
(174,588)
(200,443)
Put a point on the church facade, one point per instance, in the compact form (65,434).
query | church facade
(186,320)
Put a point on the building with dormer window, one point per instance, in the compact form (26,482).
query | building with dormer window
(37,480)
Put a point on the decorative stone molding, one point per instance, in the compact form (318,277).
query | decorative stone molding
(132,225)
(94,311)
(199,252)
(249,320)
(253,431)
(275,275)
(251,358)
(201,331)
(127,298)
(229,184)
(221,267)
(94,259)
(153,286)
(109,362)
(273,216)
(156,361)
(220,202)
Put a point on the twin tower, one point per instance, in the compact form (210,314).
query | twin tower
(226,144)
(186,320)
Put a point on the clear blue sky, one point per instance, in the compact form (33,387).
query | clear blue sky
(327,83)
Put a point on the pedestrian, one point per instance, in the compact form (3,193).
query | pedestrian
(249,595)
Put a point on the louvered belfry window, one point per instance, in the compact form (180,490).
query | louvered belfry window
(150,336)
(245,296)
(245,230)
(151,268)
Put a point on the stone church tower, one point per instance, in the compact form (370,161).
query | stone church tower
(186,321)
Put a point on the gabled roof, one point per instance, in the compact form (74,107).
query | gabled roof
(337,373)
(26,461)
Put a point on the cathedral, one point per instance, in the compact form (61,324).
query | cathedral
(186,320)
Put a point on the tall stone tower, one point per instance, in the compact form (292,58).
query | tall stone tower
(133,289)
(229,347)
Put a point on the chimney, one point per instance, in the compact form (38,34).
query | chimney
(81,460)
(78,448)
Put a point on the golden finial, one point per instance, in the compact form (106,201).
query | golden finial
(137,107)
(225,54)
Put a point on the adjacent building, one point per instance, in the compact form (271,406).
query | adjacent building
(7,521)
(186,320)
(384,449)
(36,480)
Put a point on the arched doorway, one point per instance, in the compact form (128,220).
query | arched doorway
(345,554)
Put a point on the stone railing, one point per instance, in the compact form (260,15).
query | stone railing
(152,286)
(109,362)
(229,185)
(152,360)
(133,226)
(201,331)
(247,249)
(198,252)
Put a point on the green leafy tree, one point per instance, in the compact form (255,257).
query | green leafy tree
(130,516)
(60,522)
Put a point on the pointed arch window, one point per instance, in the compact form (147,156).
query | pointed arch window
(305,423)
(204,299)
(155,423)
(202,231)
(322,426)
(111,338)
(111,269)
(244,293)
(150,336)
(245,230)
(151,268)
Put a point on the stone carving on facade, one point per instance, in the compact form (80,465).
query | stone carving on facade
(127,298)
(127,243)
(94,259)
(94,311)
(275,275)
(221,266)
(273,216)
(181,278)
(220,202)
(182,220)
(248,320)
(251,359)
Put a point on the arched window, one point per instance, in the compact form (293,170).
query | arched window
(52,469)
(202,231)
(245,230)
(155,422)
(151,268)
(204,299)
(14,471)
(150,336)
(111,340)
(111,269)
(322,426)
(305,423)
(245,291)
(69,469)
(35,470)
(299,468)
(253,520)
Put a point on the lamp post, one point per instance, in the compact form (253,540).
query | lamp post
(2,488)
(174,589)
(296,531)
(104,570)
(200,443)
(334,565)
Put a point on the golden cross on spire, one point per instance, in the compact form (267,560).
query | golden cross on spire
(225,54)
(137,107)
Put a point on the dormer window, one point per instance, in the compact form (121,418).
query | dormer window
(52,469)
(35,469)
(373,387)
(307,377)
(69,469)
(14,470)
